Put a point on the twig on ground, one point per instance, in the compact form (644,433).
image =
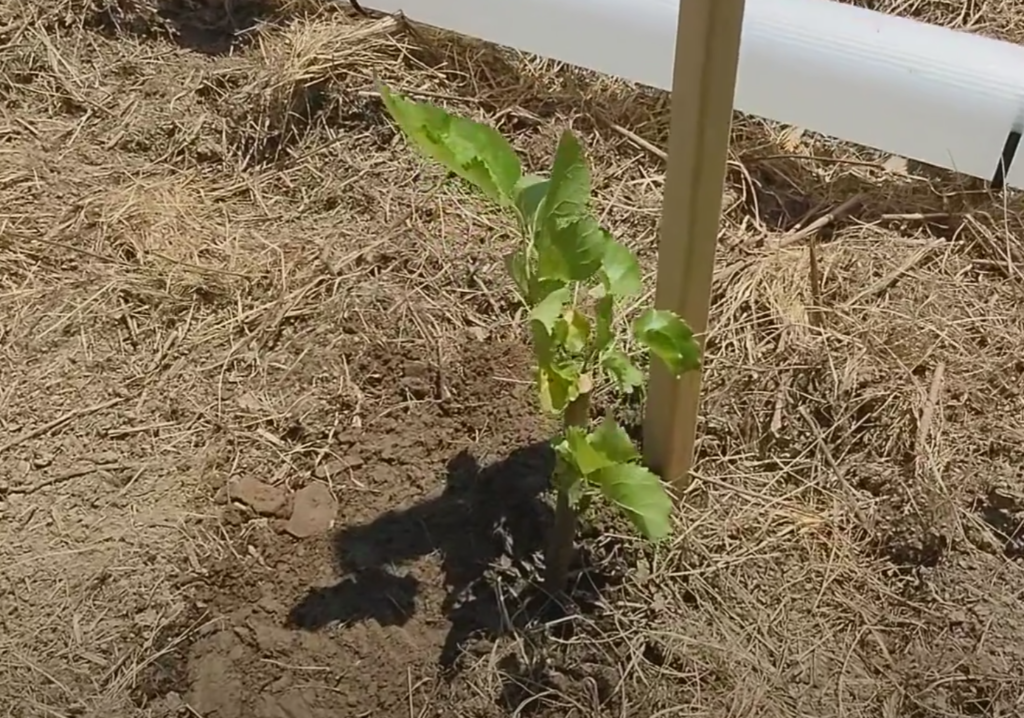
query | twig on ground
(65,476)
(888,280)
(814,314)
(835,215)
(46,428)
(837,471)
(924,424)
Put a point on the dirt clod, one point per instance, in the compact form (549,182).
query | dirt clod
(313,511)
(262,498)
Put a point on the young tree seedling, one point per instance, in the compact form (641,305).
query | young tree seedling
(571,274)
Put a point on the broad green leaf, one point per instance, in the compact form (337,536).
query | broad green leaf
(669,338)
(543,343)
(603,316)
(530,193)
(556,386)
(568,192)
(622,370)
(570,242)
(515,265)
(542,288)
(639,494)
(549,310)
(571,252)
(621,270)
(577,331)
(584,455)
(612,441)
(474,151)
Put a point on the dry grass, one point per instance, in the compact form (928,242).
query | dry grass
(193,244)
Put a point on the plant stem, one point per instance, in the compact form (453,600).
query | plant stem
(563,534)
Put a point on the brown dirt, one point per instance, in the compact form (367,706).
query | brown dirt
(268,445)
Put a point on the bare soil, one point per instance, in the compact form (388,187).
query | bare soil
(268,443)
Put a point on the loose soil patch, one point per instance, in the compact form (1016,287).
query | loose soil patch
(268,444)
(435,561)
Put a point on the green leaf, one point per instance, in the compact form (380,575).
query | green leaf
(621,370)
(472,150)
(621,269)
(543,343)
(577,331)
(669,338)
(542,288)
(530,193)
(612,441)
(638,493)
(568,191)
(549,310)
(603,316)
(570,243)
(585,457)
(572,252)
(557,386)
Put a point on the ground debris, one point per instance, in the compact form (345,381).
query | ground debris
(264,499)
(313,511)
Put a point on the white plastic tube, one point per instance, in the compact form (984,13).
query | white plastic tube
(920,91)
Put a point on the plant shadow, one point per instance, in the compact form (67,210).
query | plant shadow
(488,526)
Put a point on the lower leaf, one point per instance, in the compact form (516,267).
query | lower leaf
(640,495)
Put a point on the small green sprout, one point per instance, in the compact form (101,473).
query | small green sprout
(571,274)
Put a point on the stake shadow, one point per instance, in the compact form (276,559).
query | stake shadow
(488,526)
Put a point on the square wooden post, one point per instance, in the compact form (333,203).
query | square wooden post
(703,84)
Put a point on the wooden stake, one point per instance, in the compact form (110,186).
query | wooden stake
(703,85)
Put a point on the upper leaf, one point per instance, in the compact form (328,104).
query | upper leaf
(557,385)
(540,288)
(530,193)
(549,310)
(570,243)
(568,192)
(476,152)
(621,370)
(543,342)
(584,455)
(571,252)
(639,494)
(611,440)
(603,317)
(621,270)
(577,331)
(669,338)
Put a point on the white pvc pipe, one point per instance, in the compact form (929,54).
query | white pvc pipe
(920,91)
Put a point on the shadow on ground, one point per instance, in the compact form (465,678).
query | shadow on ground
(488,527)
(209,27)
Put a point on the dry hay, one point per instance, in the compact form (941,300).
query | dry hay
(219,264)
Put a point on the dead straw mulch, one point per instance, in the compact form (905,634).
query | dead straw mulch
(169,212)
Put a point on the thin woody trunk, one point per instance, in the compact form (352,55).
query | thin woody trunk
(561,542)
